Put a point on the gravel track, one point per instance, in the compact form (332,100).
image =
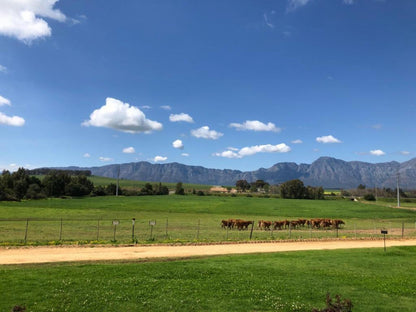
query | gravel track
(52,254)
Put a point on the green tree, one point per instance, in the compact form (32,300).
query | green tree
(179,190)
(242,185)
(294,189)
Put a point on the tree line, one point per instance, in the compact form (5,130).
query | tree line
(294,189)
(21,184)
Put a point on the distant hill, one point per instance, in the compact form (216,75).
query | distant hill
(325,171)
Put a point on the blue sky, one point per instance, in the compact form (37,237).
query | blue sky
(236,84)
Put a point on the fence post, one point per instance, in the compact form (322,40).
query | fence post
(60,231)
(251,232)
(197,232)
(98,229)
(166,228)
(27,225)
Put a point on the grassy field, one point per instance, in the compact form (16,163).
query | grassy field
(291,281)
(187,218)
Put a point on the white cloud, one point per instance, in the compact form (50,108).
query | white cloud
(295,4)
(298,141)
(145,107)
(181,117)
(377,126)
(185,154)
(123,117)
(129,150)
(4,101)
(268,21)
(327,139)
(106,159)
(205,133)
(3,69)
(15,121)
(405,153)
(255,125)
(87,155)
(251,150)
(22,19)
(159,159)
(166,107)
(377,152)
(178,144)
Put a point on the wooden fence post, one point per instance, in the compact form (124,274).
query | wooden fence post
(27,225)
(60,231)
(251,232)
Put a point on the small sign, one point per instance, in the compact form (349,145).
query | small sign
(384,232)
(116,222)
(152,223)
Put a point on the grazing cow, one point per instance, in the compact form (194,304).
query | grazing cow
(278,225)
(264,225)
(302,222)
(336,223)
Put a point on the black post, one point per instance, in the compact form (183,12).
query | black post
(251,232)
(132,229)
(27,225)
(98,229)
(60,231)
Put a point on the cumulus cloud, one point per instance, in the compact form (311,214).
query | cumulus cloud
(377,152)
(121,116)
(255,125)
(178,144)
(206,133)
(181,117)
(327,139)
(105,159)
(3,69)
(159,159)
(24,21)
(298,141)
(251,150)
(295,4)
(15,121)
(129,150)
(166,107)
(4,101)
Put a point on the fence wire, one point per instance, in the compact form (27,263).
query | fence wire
(56,231)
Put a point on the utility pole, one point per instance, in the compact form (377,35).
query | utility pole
(118,178)
(398,190)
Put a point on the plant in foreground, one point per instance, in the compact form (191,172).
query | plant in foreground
(337,306)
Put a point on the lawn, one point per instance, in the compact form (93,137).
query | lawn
(186,218)
(291,281)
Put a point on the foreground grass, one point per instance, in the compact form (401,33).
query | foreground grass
(292,281)
(186,218)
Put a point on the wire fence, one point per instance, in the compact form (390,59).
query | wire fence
(60,231)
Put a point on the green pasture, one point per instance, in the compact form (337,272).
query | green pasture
(187,218)
(137,185)
(292,281)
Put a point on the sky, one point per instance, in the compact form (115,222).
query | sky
(236,84)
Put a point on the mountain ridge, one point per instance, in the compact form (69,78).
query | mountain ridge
(328,172)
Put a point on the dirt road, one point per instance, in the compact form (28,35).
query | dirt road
(47,254)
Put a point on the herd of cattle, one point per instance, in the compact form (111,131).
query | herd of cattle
(240,224)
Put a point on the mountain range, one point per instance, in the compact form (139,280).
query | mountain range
(325,171)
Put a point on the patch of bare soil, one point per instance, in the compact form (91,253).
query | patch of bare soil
(47,254)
